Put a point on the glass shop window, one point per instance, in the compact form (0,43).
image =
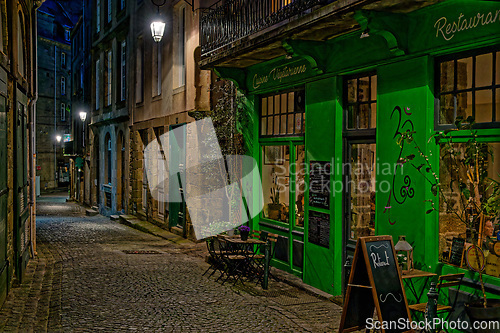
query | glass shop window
(283,114)
(283,169)
(453,232)
(468,85)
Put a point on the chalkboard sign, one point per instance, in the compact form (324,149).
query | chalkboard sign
(319,184)
(375,283)
(457,251)
(319,229)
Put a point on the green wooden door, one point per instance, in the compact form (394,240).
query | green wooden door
(3,198)
(176,184)
(22,225)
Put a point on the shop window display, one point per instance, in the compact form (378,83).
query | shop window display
(451,228)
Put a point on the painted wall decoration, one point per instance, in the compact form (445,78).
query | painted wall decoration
(399,193)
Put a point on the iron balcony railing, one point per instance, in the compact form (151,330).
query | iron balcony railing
(229,20)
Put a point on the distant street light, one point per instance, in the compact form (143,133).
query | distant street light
(83,116)
(58,138)
(158,25)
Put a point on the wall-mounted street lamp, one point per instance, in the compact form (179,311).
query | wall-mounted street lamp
(83,117)
(158,24)
(58,138)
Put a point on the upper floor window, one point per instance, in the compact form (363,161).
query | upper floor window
(98,15)
(182,46)
(123,71)
(97,83)
(63,85)
(66,34)
(1,28)
(122,4)
(139,71)
(109,10)
(63,59)
(283,114)
(21,58)
(63,112)
(468,85)
(109,78)
(156,84)
(360,102)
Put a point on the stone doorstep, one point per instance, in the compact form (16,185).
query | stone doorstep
(91,212)
(114,217)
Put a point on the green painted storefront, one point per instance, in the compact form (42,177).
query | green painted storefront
(400,57)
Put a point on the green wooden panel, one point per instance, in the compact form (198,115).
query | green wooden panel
(321,268)
(405,102)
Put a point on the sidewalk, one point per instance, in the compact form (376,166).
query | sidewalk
(200,250)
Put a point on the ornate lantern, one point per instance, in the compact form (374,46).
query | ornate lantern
(404,252)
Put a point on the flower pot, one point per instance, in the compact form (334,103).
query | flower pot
(274,211)
(477,313)
(244,235)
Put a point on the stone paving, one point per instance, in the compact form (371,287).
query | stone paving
(92,274)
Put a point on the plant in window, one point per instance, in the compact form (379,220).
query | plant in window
(467,192)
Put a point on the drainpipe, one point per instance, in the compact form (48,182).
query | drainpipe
(32,129)
(55,115)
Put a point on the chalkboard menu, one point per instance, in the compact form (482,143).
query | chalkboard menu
(319,184)
(457,251)
(319,229)
(375,283)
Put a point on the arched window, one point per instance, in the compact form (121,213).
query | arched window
(20,45)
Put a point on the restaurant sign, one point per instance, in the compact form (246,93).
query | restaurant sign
(455,22)
(262,77)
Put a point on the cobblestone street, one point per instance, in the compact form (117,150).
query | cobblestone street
(94,274)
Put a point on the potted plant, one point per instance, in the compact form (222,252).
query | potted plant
(244,232)
(476,196)
(274,208)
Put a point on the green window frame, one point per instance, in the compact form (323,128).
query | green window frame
(282,157)
(468,84)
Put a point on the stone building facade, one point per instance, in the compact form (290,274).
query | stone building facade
(110,103)
(80,100)
(55,21)
(167,85)
(18,95)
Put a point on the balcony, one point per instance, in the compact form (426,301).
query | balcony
(242,33)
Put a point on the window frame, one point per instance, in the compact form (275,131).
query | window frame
(287,91)
(288,140)
(63,85)
(495,86)
(98,16)
(97,84)
(123,70)
(63,112)
(351,136)
(109,77)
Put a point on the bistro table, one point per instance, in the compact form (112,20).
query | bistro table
(417,274)
(246,247)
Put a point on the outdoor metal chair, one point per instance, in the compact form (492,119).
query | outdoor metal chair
(234,262)
(444,282)
(215,260)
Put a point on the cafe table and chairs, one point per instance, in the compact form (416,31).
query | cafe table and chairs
(417,282)
(246,258)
